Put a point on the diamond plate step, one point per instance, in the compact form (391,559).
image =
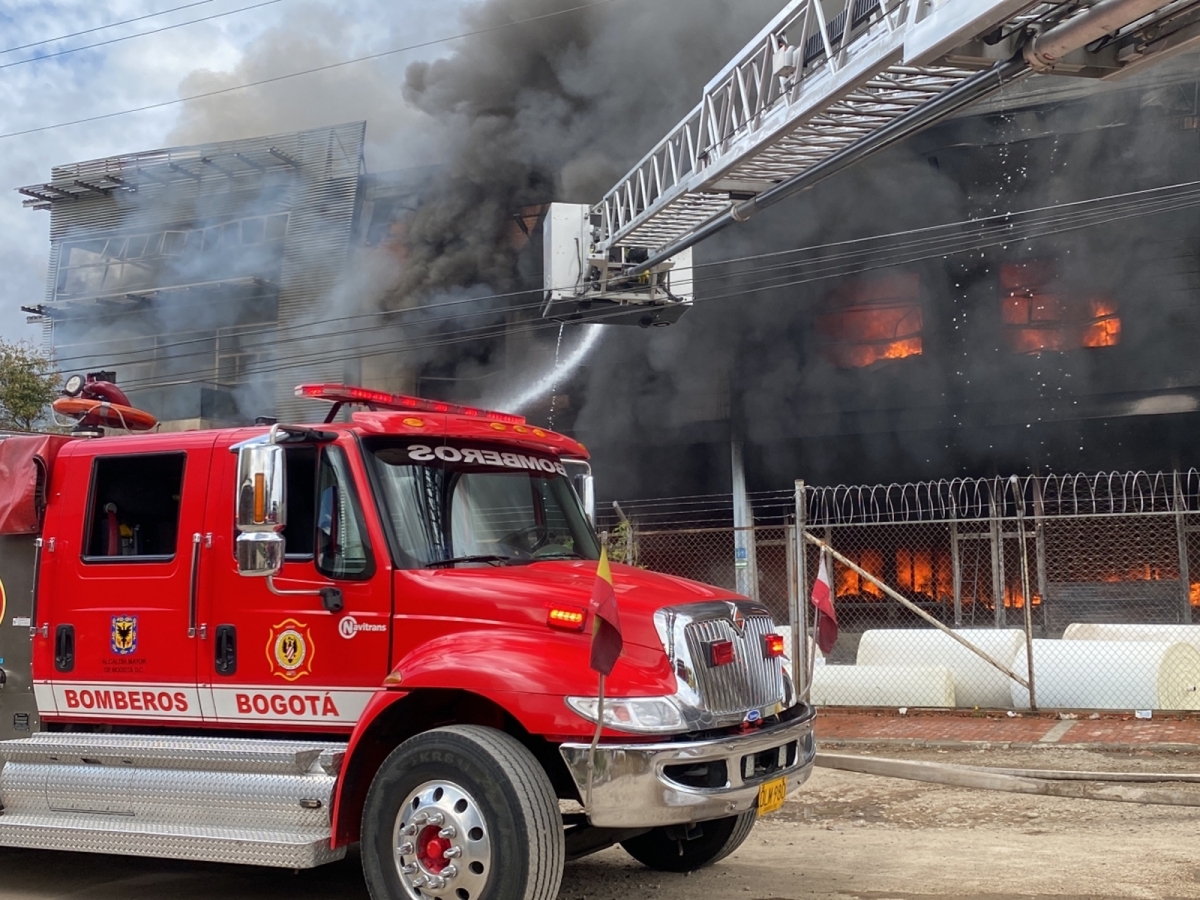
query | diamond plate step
(204,754)
(254,802)
(252,847)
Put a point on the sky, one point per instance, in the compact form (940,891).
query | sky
(274,39)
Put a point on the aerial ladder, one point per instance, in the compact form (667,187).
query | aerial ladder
(825,84)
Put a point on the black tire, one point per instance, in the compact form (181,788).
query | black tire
(719,838)
(512,795)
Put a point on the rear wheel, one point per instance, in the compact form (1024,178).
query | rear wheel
(669,850)
(462,813)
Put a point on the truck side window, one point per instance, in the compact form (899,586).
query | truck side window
(301,502)
(342,550)
(134,507)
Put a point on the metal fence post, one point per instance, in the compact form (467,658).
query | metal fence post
(1185,577)
(955,565)
(799,611)
(1039,535)
(999,612)
(745,564)
(1027,597)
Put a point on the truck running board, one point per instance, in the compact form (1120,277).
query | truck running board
(254,802)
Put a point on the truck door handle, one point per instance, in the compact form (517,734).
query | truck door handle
(64,648)
(226,646)
(194,585)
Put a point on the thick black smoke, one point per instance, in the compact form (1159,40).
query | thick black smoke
(555,109)
(559,108)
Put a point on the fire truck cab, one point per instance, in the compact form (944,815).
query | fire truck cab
(262,645)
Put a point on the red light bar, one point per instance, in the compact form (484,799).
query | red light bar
(720,653)
(342,393)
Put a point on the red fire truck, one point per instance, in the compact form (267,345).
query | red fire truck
(262,645)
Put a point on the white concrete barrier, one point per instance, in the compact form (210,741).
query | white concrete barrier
(892,686)
(977,683)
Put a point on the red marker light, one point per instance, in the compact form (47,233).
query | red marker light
(720,653)
(773,646)
(566,618)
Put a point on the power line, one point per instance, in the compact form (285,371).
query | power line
(325,68)
(63,37)
(949,238)
(818,269)
(140,34)
(481,332)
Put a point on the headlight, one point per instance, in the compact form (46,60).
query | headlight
(641,715)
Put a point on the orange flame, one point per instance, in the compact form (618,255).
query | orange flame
(1038,319)
(851,584)
(871,320)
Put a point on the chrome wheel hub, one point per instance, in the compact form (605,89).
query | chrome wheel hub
(441,844)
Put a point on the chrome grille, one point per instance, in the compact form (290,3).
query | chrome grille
(751,681)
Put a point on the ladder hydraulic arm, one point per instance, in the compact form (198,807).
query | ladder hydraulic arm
(824,85)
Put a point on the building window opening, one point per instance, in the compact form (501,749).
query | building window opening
(134,509)
(872,320)
(238,248)
(1041,316)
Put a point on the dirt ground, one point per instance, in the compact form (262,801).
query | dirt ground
(844,836)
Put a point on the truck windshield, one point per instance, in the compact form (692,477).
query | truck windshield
(459,503)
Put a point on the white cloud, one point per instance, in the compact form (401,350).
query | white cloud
(284,37)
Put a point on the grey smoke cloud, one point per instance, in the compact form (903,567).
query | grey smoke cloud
(524,114)
(121,76)
(314,34)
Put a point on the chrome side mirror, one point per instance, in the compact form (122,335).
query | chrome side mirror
(580,473)
(261,509)
(259,554)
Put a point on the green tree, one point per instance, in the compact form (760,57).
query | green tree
(29,380)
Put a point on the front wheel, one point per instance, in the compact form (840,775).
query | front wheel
(667,850)
(462,813)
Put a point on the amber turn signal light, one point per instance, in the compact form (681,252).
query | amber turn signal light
(260,498)
(566,618)
(773,646)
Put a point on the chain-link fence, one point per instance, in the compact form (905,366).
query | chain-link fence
(1091,579)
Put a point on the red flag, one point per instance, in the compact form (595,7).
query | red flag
(607,642)
(822,599)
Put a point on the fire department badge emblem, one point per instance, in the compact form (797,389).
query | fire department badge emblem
(290,650)
(124,635)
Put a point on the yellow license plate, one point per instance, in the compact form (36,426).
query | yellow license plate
(771,796)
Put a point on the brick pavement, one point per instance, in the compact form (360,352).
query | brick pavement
(839,726)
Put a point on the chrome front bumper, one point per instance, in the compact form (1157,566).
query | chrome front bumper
(646,785)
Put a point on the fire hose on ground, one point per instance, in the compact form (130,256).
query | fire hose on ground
(1110,786)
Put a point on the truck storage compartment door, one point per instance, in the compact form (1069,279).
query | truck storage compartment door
(130,553)
(18,711)
(286,660)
